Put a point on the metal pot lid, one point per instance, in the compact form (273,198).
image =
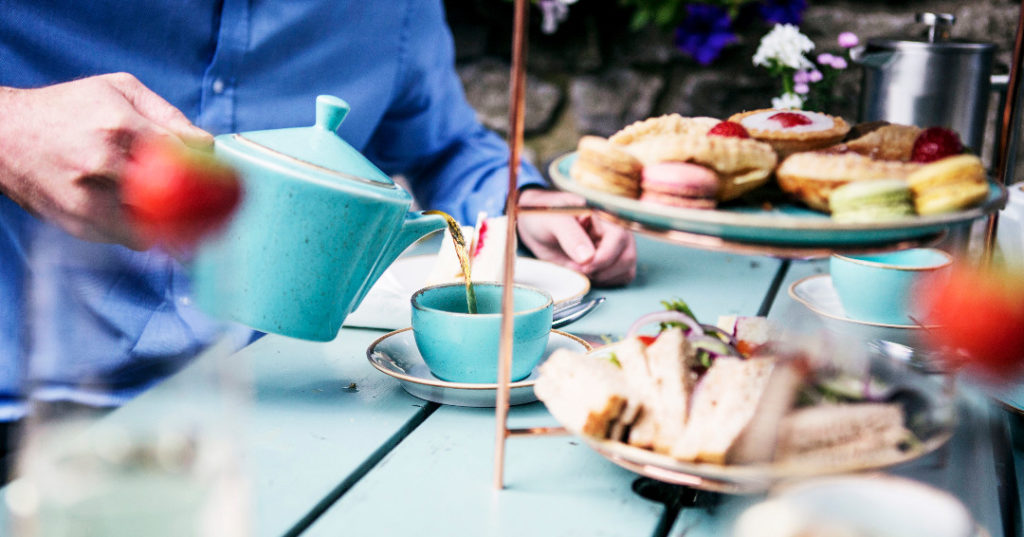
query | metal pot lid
(936,36)
(316,151)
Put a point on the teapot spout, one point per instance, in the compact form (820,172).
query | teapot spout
(416,226)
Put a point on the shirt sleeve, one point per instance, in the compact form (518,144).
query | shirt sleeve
(430,133)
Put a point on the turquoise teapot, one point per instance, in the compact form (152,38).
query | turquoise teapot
(317,226)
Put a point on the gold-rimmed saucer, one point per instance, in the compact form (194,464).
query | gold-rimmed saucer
(395,354)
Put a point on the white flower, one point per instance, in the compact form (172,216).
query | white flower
(553,13)
(787,101)
(784,45)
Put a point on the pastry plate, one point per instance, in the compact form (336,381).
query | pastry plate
(930,417)
(387,306)
(786,223)
(395,354)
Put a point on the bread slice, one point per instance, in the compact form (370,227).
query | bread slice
(670,359)
(631,354)
(840,434)
(725,401)
(586,394)
(758,441)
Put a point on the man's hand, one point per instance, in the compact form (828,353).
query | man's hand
(606,253)
(63,148)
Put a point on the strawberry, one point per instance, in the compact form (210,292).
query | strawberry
(175,196)
(978,318)
(790,119)
(935,143)
(729,129)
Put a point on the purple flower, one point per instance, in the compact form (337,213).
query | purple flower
(848,40)
(705,31)
(801,88)
(782,11)
(825,58)
(815,76)
(838,63)
(801,77)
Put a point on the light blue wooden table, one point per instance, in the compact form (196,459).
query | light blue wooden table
(334,447)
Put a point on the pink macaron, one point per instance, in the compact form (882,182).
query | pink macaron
(679,184)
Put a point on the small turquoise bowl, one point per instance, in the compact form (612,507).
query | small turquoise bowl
(462,347)
(880,288)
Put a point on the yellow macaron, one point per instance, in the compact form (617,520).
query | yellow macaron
(948,184)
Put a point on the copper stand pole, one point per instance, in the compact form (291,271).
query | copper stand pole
(1008,134)
(517,99)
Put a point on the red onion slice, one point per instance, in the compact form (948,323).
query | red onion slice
(722,334)
(667,317)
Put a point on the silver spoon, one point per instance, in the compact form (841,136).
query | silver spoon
(565,314)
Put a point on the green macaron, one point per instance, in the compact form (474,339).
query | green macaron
(871,201)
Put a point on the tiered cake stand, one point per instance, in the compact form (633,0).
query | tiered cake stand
(779,232)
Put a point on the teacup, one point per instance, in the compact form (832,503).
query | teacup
(880,288)
(462,347)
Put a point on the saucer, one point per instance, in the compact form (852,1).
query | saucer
(817,294)
(395,354)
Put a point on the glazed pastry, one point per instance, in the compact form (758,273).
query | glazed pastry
(812,176)
(889,142)
(949,184)
(792,131)
(871,201)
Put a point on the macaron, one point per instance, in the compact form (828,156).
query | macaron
(679,184)
(948,184)
(871,200)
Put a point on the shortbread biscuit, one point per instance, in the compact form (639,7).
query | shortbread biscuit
(812,176)
(591,175)
(602,153)
(742,163)
(667,124)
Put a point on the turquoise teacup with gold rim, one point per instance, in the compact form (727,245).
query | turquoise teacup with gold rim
(459,346)
(879,288)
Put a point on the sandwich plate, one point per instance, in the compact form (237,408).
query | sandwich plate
(929,414)
(786,223)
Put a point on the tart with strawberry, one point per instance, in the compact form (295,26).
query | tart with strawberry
(792,131)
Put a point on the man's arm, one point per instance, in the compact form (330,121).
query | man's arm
(431,135)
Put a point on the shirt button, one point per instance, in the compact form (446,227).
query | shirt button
(218,86)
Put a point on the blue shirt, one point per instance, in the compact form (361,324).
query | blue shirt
(100,322)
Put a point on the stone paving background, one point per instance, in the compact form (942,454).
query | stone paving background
(595,75)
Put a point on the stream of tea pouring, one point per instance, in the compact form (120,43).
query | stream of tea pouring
(462,252)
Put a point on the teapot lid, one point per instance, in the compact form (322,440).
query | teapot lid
(937,36)
(317,149)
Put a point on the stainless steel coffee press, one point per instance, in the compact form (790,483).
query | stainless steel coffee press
(928,80)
